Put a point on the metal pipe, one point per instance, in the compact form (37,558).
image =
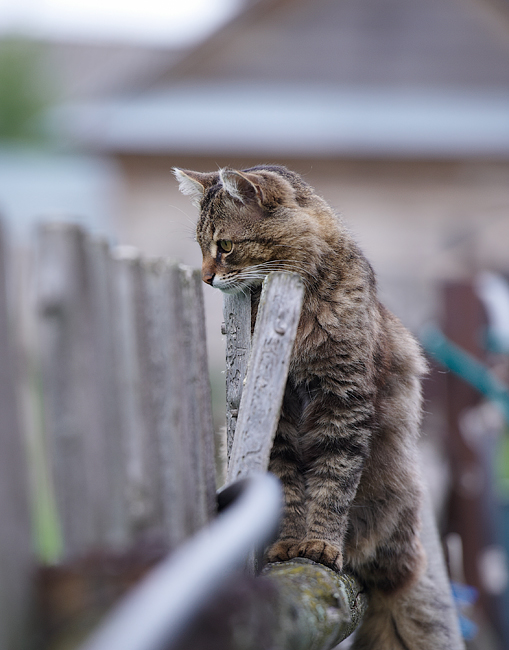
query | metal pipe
(155,613)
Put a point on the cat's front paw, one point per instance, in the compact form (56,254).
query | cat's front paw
(282,550)
(321,552)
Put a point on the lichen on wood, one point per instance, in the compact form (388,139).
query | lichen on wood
(237,327)
(294,605)
(318,607)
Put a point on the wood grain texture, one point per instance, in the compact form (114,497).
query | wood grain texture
(131,363)
(273,338)
(126,393)
(69,380)
(200,433)
(237,321)
(168,396)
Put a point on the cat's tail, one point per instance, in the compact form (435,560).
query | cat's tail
(420,618)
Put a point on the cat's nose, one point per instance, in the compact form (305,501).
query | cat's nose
(208,277)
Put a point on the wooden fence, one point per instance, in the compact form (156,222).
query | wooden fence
(114,390)
(123,365)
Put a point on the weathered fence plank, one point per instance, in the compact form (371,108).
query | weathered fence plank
(139,444)
(109,469)
(69,380)
(237,327)
(168,395)
(181,399)
(273,338)
(201,432)
(15,541)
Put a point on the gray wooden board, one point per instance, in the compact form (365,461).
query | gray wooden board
(168,396)
(131,376)
(108,475)
(105,479)
(273,339)
(68,381)
(200,433)
(237,322)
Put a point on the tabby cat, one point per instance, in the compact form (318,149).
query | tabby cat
(345,449)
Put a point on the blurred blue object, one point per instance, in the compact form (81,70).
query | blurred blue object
(464,597)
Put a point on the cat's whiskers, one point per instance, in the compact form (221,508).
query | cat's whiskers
(260,271)
(303,268)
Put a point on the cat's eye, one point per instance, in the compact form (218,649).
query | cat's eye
(225,245)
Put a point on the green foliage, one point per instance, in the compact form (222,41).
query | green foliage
(24,95)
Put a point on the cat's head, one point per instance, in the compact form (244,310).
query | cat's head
(252,222)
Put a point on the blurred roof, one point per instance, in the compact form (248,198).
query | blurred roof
(363,42)
(321,77)
(275,120)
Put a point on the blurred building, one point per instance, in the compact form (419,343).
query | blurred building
(397,111)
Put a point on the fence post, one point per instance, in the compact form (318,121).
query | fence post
(16,561)
(168,395)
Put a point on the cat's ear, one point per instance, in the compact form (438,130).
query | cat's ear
(194,184)
(242,186)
